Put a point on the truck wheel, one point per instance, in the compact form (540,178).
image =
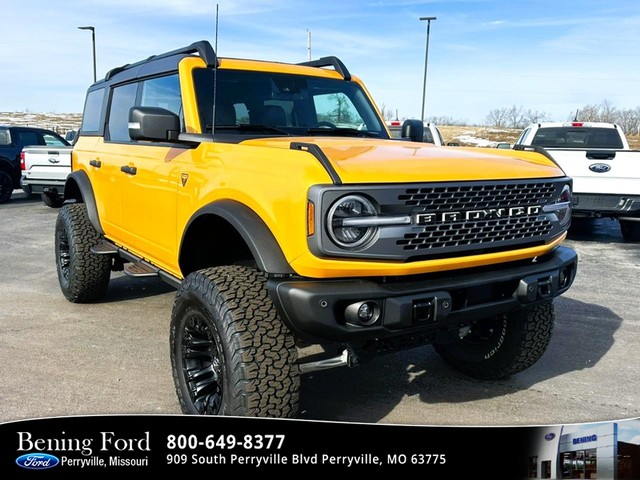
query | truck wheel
(230,352)
(502,345)
(630,230)
(6,186)
(83,276)
(52,200)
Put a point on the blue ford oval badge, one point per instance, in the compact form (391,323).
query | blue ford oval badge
(600,167)
(550,436)
(37,461)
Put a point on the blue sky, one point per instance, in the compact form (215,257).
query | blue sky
(551,56)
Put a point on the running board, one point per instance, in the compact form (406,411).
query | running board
(104,248)
(140,269)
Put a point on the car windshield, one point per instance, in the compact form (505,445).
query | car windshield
(275,104)
(577,137)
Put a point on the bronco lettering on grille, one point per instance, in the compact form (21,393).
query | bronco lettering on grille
(475,215)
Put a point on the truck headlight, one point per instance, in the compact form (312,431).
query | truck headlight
(562,206)
(347,221)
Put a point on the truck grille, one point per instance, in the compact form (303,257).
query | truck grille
(459,234)
(476,197)
(472,197)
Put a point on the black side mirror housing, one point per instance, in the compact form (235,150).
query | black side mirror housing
(153,124)
(414,130)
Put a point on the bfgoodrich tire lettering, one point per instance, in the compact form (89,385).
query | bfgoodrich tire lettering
(83,276)
(230,353)
(503,345)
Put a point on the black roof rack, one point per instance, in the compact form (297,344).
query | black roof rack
(334,62)
(202,48)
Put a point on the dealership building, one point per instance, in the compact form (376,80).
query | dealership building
(590,451)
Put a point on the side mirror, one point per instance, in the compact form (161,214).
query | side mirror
(414,130)
(154,124)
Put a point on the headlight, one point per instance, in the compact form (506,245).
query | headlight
(345,221)
(562,206)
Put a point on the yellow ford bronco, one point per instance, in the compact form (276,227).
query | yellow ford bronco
(273,197)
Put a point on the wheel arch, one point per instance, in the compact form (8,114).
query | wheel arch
(226,232)
(78,189)
(6,165)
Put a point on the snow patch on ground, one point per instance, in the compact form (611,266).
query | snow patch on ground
(478,142)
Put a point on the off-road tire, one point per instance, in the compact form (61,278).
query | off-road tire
(228,343)
(52,200)
(6,186)
(630,230)
(83,276)
(503,345)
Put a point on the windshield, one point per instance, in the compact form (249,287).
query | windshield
(273,104)
(576,137)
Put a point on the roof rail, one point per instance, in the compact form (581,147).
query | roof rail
(202,48)
(332,61)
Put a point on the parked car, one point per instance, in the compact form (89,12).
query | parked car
(12,141)
(44,171)
(605,171)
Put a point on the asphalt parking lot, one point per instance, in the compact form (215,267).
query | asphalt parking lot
(58,358)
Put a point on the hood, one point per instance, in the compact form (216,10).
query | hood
(363,160)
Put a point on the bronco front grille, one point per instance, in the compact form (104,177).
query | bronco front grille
(472,197)
(475,233)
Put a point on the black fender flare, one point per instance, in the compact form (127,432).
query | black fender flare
(78,188)
(261,242)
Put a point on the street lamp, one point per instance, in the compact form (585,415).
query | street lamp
(426,58)
(93,39)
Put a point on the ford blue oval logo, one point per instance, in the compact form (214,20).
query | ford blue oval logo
(37,461)
(550,436)
(600,167)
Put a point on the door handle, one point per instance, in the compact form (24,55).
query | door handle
(128,169)
(95,163)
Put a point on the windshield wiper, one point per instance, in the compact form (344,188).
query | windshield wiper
(343,131)
(250,127)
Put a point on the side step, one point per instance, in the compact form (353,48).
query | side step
(140,269)
(104,248)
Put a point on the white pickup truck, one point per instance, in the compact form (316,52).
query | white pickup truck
(605,171)
(431,132)
(44,171)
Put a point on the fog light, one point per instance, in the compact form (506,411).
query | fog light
(365,312)
(362,313)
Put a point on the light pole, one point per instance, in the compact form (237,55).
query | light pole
(93,40)
(426,58)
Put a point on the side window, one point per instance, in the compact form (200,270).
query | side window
(163,92)
(5,136)
(122,99)
(92,111)
(52,140)
(29,138)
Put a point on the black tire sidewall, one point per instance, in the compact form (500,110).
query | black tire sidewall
(89,274)
(258,357)
(194,303)
(519,342)
(52,200)
(6,186)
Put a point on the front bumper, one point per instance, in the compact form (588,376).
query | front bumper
(323,310)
